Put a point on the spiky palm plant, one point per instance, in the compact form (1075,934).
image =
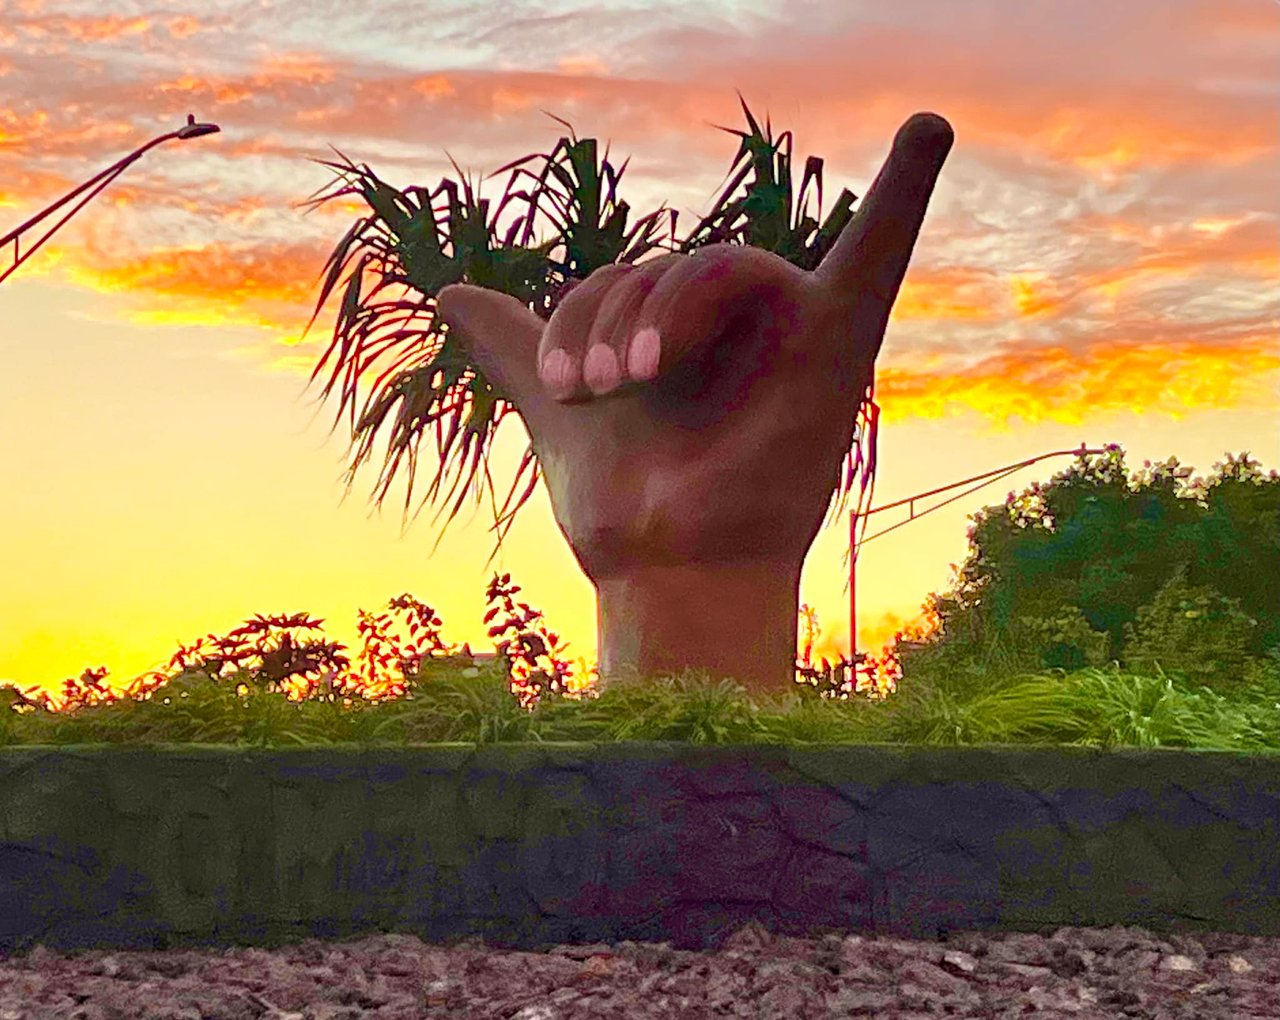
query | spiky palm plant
(396,259)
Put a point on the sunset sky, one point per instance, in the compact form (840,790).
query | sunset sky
(1099,264)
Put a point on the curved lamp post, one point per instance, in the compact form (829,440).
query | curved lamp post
(855,543)
(97,183)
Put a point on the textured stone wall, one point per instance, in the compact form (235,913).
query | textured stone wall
(533,845)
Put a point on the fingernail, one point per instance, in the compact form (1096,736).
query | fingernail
(600,370)
(559,371)
(642,356)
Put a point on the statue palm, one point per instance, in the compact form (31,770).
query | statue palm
(690,413)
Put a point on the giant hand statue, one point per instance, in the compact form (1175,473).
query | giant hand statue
(690,414)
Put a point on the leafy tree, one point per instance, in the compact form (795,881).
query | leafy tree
(1094,567)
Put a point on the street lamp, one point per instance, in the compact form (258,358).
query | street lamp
(909,502)
(189,130)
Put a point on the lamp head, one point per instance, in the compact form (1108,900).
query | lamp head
(194,130)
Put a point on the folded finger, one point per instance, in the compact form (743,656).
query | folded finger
(562,348)
(608,354)
(695,299)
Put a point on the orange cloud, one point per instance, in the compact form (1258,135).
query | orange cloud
(278,272)
(1144,375)
(309,68)
(277,75)
(1084,122)
(28,191)
(1143,363)
(1244,243)
(951,293)
(1051,134)
(1006,85)
(433,86)
(986,75)
(84,29)
(182,27)
(218,91)
(273,286)
(1227,18)
(24,134)
(16,128)
(1135,130)
(1243,246)
(1034,294)
(588,65)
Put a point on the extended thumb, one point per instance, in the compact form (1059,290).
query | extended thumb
(500,333)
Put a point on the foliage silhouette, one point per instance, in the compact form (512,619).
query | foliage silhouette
(1096,567)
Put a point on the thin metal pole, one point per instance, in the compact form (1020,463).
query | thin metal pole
(909,502)
(853,586)
(102,179)
(18,258)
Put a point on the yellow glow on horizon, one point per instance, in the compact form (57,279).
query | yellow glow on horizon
(202,316)
(875,639)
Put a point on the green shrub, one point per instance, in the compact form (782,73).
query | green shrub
(1262,678)
(964,666)
(1192,630)
(1065,641)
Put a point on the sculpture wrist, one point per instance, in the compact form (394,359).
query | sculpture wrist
(733,620)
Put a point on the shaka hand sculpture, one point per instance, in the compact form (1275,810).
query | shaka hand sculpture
(690,414)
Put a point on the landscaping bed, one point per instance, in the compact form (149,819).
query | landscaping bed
(1098,968)
(1069,972)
